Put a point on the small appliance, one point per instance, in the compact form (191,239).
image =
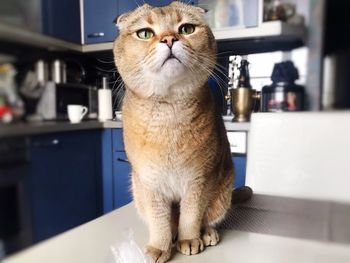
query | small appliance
(56,97)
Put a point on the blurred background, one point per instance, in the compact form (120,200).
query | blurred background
(273,56)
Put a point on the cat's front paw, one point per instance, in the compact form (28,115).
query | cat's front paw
(159,256)
(210,236)
(190,246)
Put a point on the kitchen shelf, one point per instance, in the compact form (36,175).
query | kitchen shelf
(97,47)
(269,36)
(19,36)
(265,30)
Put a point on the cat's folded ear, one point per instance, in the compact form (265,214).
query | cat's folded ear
(183,5)
(201,9)
(120,20)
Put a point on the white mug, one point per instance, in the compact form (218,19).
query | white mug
(76,113)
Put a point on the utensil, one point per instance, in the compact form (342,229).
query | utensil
(243,103)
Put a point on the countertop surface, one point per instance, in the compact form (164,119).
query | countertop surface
(24,129)
(91,243)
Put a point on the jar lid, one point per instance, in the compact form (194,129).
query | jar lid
(284,72)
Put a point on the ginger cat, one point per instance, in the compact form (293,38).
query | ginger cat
(175,139)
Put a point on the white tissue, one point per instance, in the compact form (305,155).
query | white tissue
(125,250)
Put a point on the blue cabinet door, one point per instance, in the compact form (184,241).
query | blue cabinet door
(65,181)
(239,163)
(115,171)
(61,19)
(121,180)
(126,6)
(98,20)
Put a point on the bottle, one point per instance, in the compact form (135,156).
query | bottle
(105,102)
(244,78)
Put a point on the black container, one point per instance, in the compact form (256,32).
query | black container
(283,94)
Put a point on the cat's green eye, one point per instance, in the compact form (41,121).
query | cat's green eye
(145,33)
(186,29)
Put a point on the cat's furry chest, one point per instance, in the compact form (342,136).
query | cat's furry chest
(169,142)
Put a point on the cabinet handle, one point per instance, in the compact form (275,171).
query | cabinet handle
(96,34)
(51,143)
(123,160)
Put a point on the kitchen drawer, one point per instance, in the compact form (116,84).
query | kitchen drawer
(238,142)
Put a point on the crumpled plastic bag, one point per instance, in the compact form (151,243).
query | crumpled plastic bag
(126,250)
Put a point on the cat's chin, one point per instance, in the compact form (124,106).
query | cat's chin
(172,67)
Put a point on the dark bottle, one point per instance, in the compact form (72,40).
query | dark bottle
(244,78)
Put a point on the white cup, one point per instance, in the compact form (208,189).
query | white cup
(76,113)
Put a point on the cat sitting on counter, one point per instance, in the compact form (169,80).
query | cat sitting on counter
(175,139)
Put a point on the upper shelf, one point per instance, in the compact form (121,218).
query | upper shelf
(264,30)
(268,36)
(19,36)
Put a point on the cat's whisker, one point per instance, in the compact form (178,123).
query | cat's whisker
(119,96)
(219,67)
(138,5)
(222,69)
(147,59)
(117,79)
(208,69)
(114,70)
(225,81)
(221,83)
(118,93)
(116,90)
(104,61)
(225,53)
(222,93)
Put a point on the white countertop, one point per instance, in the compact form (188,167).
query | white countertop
(90,243)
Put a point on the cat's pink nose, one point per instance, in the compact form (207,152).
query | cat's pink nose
(169,40)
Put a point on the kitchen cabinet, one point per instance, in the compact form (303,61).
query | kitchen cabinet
(97,19)
(121,171)
(80,21)
(88,21)
(15,229)
(65,181)
(116,171)
(240,163)
(122,181)
(238,145)
(61,19)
